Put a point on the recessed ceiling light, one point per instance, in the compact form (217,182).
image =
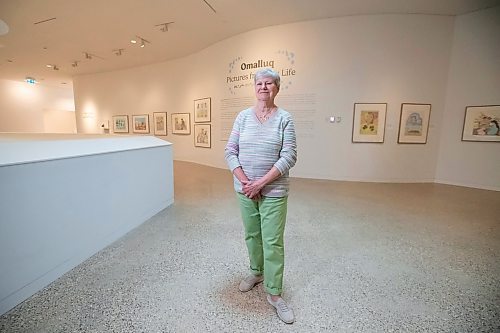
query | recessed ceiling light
(49,66)
(133,41)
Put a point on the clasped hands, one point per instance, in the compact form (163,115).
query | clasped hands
(251,189)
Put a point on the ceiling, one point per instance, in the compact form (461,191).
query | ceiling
(84,36)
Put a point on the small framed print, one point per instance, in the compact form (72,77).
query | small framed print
(140,123)
(120,124)
(414,123)
(202,135)
(369,122)
(181,123)
(202,110)
(160,123)
(481,123)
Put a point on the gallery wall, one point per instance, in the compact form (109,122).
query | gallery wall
(326,66)
(474,79)
(37,108)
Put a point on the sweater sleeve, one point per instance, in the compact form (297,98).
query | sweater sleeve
(288,153)
(232,149)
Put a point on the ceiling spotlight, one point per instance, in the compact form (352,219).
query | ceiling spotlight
(91,56)
(143,41)
(75,63)
(133,41)
(164,26)
(49,65)
(118,52)
(30,80)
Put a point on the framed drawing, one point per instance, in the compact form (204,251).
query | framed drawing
(369,122)
(481,123)
(140,123)
(202,110)
(181,123)
(202,135)
(160,123)
(120,124)
(414,123)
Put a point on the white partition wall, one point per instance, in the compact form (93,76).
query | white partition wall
(71,198)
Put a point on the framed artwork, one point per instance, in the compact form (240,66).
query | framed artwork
(202,110)
(481,123)
(140,123)
(120,124)
(369,122)
(202,135)
(414,123)
(160,123)
(181,123)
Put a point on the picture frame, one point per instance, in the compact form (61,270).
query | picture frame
(414,123)
(140,123)
(120,124)
(202,135)
(202,110)
(369,122)
(181,123)
(481,123)
(160,123)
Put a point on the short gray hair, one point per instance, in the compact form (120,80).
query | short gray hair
(267,72)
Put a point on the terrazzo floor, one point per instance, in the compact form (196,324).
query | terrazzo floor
(360,257)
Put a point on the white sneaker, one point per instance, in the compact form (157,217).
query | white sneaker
(250,281)
(284,312)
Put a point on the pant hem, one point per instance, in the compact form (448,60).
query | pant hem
(273,291)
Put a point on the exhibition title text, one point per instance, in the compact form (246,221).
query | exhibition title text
(255,65)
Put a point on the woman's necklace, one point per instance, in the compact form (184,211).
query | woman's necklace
(264,115)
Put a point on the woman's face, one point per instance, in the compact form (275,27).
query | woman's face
(265,89)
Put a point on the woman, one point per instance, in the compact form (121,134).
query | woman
(260,151)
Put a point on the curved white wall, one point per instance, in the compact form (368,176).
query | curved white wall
(390,59)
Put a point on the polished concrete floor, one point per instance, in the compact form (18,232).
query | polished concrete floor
(360,257)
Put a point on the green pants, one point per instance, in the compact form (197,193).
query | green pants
(264,222)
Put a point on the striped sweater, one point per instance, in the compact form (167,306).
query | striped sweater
(258,147)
